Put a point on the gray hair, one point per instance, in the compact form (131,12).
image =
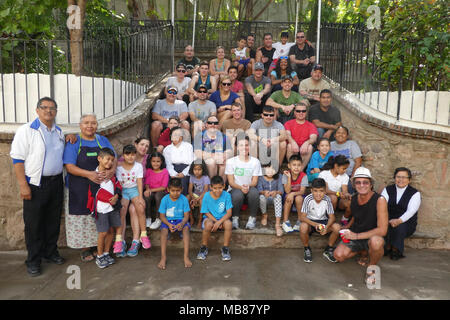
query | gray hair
(88,115)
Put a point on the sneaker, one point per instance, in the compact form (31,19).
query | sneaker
(148,222)
(122,253)
(344,222)
(118,247)
(134,248)
(226,254)
(145,242)
(109,259)
(307,255)
(296,228)
(287,227)
(251,223)
(202,253)
(328,253)
(235,222)
(101,262)
(156,224)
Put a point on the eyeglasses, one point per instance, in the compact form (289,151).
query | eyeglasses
(284,57)
(212,122)
(401,177)
(269,115)
(172,92)
(300,111)
(51,109)
(226,84)
(181,70)
(363,183)
(203,91)
(300,37)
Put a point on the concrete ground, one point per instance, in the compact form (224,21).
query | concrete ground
(273,273)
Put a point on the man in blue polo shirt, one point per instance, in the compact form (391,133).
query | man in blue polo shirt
(37,152)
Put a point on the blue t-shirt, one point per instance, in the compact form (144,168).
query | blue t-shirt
(204,143)
(215,97)
(317,161)
(218,208)
(71,150)
(174,210)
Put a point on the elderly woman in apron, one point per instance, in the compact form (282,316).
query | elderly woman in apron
(80,160)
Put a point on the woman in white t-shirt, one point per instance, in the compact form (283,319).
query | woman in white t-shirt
(242,172)
(333,172)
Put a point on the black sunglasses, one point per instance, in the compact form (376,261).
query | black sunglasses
(212,122)
(203,91)
(299,37)
(300,111)
(268,114)
(181,70)
(226,83)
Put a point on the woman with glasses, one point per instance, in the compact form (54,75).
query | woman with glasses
(283,68)
(213,147)
(223,98)
(403,204)
(218,67)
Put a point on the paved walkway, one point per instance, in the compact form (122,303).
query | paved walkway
(252,274)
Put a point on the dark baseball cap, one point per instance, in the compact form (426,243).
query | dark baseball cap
(318,67)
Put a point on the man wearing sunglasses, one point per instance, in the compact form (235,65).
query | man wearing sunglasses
(179,81)
(163,110)
(269,134)
(201,109)
(310,88)
(302,134)
(303,55)
(368,225)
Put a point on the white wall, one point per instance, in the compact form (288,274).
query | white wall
(71,104)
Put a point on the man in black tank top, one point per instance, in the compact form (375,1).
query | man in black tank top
(265,53)
(368,225)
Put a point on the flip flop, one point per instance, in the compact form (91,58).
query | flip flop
(363,261)
(87,256)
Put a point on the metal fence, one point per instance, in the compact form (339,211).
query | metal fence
(351,58)
(117,68)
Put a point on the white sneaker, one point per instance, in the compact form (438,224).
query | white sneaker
(156,224)
(235,222)
(296,228)
(287,227)
(251,223)
(148,222)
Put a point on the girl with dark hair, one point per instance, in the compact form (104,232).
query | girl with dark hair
(283,68)
(403,205)
(319,159)
(198,185)
(333,172)
(155,184)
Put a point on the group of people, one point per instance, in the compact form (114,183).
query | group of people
(207,153)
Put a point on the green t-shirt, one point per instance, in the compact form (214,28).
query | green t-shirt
(279,98)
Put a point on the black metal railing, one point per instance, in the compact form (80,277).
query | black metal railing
(115,70)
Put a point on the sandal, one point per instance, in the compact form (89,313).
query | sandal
(363,261)
(87,255)
(278,230)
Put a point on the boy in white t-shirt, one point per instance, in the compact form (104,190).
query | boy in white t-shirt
(281,49)
(317,215)
(130,174)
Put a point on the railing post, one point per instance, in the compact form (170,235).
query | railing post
(50,69)
(400,88)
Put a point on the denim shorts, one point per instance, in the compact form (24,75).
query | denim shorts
(130,193)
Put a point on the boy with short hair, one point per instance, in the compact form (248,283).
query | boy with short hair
(317,215)
(104,203)
(240,56)
(295,182)
(281,50)
(174,214)
(216,207)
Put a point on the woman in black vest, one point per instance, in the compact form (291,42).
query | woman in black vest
(403,204)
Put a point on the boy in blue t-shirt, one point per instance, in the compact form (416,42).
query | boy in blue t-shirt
(174,214)
(216,207)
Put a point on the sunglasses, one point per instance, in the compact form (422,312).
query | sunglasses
(181,70)
(269,115)
(300,111)
(364,183)
(51,109)
(300,37)
(284,57)
(212,122)
(226,84)
(203,91)
(172,92)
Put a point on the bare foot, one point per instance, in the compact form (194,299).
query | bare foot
(264,220)
(162,264)
(187,263)
(363,261)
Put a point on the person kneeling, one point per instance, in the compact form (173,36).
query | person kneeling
(317,215)
(174,214)
(216,207)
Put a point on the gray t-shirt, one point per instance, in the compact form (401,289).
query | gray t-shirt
(267,132)
(166,110)
(181,87)
(202,111)
(350,150)
(257,86)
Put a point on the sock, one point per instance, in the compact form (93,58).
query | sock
(118,238)
(143,234)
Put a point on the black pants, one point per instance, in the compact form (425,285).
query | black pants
(396,236)
(155,198)
(42,218)
(251,107)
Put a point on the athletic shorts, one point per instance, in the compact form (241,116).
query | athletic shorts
(244,62)
(105,221)
(175,222)
(312,229)
(357,245)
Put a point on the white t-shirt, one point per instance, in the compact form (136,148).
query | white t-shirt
(334,183)
(282,50)
(181,86)
(243,171)
(128,179)
(317,211)
(105,207)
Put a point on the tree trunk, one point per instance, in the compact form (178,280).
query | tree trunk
(151,12)
(76,39)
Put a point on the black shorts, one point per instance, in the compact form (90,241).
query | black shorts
(358,245)
(105,221)
(312,229)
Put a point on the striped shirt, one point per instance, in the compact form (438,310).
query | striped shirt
(317,211)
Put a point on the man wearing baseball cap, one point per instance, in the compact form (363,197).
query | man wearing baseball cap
(257,90)
(310,88)
(368,225)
